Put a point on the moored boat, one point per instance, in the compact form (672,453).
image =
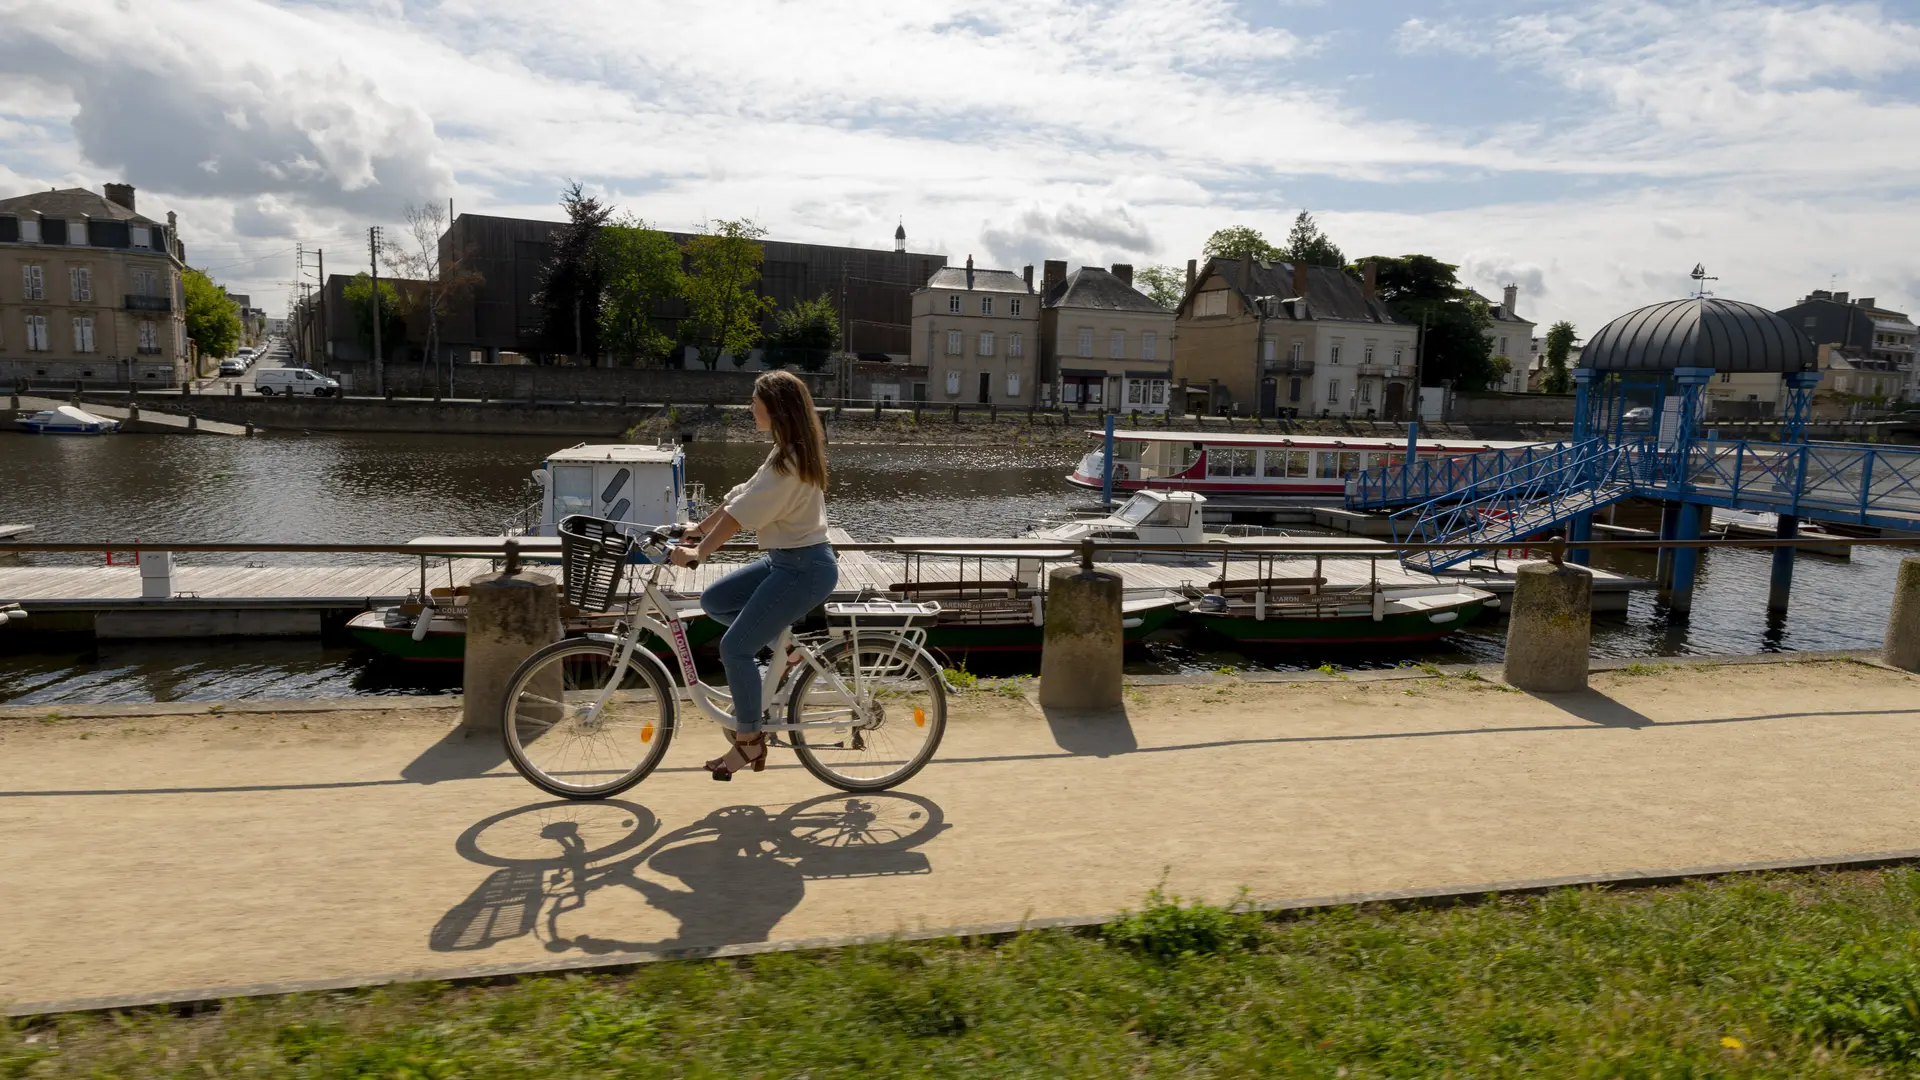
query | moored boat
(397,631)
(1294,611)
(67,420)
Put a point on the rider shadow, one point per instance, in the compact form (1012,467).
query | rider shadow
(739,871)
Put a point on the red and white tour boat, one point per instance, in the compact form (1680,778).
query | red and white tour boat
(1268,467)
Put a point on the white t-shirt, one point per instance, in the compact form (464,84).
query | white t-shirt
(783,511)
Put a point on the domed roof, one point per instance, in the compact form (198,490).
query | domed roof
(900,231)
(1700,331)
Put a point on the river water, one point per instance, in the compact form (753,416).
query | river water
(329,488)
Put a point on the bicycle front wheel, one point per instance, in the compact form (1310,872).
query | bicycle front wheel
(578,729)
(876,730)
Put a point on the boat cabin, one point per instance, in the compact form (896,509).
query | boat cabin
(1253,463)
(1149,517)
(645,485)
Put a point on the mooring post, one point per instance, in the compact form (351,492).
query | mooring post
(509,615)
(1549,628)
(1902,648)
(1663,559)
(1580,531)
(1083,643)
(1780,584)
(1106,471)
(1686,560)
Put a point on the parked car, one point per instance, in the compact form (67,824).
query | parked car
(233,366)
(1639,414)
(294,382)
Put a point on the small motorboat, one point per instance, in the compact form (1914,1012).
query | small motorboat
(67,420)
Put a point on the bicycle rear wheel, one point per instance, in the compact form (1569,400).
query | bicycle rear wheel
(562,743)
(886,732)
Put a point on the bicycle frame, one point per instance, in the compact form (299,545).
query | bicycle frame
(717,703)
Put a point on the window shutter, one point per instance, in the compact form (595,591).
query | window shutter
(1013,384)
(953,382)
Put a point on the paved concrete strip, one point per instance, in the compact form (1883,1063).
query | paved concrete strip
(484,973)
(150,854)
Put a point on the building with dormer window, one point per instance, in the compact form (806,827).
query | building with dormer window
(977,332)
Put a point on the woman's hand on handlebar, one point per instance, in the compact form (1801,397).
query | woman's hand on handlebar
(683,555)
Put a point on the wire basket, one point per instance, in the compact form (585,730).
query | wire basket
(593,559)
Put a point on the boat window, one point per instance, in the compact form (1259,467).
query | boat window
(1226,461)
(1136,510)
(1349,462)
(1171,514)
(572,490)
(1286,463)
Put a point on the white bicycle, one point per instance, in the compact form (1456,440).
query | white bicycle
(864,704)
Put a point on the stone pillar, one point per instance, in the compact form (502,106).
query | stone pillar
(508,617)
(1902,649)
(1080,659)
(1549,628)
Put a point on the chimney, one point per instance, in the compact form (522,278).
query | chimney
(120,194)
(1370,279)
(1839,298)
(1299,277)
(1246,272)
(1193,269)
(1508,299)
(1123,271)
(1053,272)
(1864,301)
(1027,274)
(969,271)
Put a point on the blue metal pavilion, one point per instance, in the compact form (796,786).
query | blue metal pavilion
(1638,418)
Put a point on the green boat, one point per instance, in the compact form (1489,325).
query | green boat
(393,631)
(1014,624)
(1270,614)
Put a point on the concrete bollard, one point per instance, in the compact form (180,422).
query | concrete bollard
(193,422)
(1080,659)
(1902,649)
(133,412)
(509,615)
(1549,628)
(249,428)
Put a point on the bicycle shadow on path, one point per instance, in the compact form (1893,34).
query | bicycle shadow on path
(740,870)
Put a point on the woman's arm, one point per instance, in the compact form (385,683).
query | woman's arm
(695,532)
(717,529)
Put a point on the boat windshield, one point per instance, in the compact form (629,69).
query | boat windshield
(1136,509)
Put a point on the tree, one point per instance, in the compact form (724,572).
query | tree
(1239,242)
(1559,345)
(393,324)
(725,311)
(572,280)
(213,319)
(804,333)
(1307,244)
(640,269)
(1166,285)
(433,278)
(1423,290)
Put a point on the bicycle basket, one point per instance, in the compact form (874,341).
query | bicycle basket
(593,558)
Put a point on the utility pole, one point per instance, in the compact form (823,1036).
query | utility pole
(373,257)
(320,338)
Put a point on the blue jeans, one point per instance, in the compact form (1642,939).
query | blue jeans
(755,603)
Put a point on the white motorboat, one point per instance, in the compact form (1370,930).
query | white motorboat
(67,420)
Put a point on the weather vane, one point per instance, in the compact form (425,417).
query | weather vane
(1700,276)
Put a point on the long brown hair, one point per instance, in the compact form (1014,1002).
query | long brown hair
(800,447)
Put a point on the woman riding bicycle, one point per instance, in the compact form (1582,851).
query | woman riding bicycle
(784,503)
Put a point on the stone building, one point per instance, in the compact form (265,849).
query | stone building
(90,291)
(977,333)
(1103,344)
(1265,338)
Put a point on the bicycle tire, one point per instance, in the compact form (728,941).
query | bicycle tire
(831,761)
(529,706)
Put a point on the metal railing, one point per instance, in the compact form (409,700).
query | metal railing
(1428,478)
(1869,485)
(148,303)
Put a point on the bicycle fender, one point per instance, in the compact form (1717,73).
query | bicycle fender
(646,656)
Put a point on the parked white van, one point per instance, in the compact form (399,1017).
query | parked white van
(294,381)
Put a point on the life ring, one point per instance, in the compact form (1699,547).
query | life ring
(1119,472)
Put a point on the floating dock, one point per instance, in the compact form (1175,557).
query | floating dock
(300,601)
(153,417)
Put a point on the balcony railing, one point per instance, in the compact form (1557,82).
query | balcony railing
(1385,371)
(149,303)
(1288,367)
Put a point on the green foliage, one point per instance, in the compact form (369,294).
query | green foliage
(1856,1001)
(393,325)
(1167,285)
(639,272)
(1421,288)
(805,333)
(724,266)
(1239,242)
(213,319)
(1165,930)
(573,278)
(960,678)
(1307,244)
(1559,345)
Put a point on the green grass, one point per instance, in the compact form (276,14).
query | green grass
(1786,976)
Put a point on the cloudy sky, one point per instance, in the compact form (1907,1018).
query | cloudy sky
(1591,152)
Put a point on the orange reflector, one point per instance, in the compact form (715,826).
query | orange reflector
(919,716)
(646,733)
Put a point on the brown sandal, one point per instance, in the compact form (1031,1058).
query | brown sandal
(724,766)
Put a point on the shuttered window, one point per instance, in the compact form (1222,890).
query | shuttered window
(83,334)
(33,282)
(80,281)
(36,333)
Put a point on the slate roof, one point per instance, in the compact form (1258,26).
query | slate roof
(1331,293)
(1708,332)
(72,203)
(999,281)
(1500,312)
(1097,287)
